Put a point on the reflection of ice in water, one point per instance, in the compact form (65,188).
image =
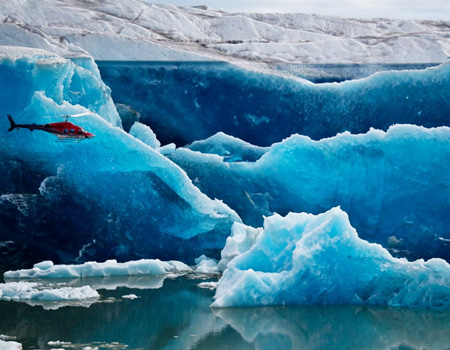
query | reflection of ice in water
(174,314)
(339,327)
(114,282)
(101,283)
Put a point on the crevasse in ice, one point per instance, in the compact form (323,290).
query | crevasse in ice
(304,259)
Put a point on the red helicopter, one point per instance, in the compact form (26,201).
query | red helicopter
(64,130)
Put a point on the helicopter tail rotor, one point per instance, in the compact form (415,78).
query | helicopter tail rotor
(13,124)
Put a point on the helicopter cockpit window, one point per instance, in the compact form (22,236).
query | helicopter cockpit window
(65,131)
(72,131)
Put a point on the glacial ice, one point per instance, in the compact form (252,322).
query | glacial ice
(260,108)
(143,267)
(145,134)
(10,345)
(230,148)
(139,30)
(205,265)
(18,291)
(304,259)
(108,197)
(393,185)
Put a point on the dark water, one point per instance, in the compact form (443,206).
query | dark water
(175,314)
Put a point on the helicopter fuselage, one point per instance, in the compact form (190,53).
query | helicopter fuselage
(63,130)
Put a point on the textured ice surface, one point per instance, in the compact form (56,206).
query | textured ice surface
(303,259)
(34,291)
(206,265)
(392,183)
(139,30)
(145,134)
(184,101)
(10,345)
(230,148)
(110,196)
(108,268)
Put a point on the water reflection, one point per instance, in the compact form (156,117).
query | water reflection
(174,314)
(340,327)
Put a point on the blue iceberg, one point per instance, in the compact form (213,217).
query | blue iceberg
(112,196)
(304,259)
(261,108)
(393,185)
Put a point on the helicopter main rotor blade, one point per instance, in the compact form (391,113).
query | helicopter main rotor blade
(77,115)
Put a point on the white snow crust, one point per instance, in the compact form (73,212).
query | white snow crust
(10,345)
(17,291)
(105,269)
(139,30)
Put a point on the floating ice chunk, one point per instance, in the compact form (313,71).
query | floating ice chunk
(17,291)
(207,285)
(130,296)
(105,269)
(59,343)
(307,259)
(206,265)
(10,345)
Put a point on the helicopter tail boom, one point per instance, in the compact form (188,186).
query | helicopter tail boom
(13,124)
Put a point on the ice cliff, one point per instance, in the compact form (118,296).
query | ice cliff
(265,108)
(302,259)
(393,185)
(110,195)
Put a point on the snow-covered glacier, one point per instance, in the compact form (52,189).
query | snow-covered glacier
(141,31)
(110,196)
(303,259)
(393,185)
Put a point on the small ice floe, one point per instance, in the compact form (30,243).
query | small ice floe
(37,293)
(208,285)
(130,296)
(109,268)
(59,343)
(10,345)
(32,290)
(205,265)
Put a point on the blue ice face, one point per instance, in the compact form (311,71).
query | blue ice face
(206,98)
(110,196)
(393,185)
(303,259)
